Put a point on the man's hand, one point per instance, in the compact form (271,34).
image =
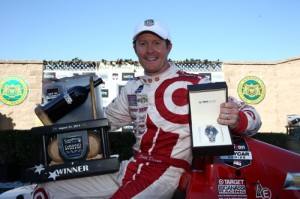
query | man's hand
(229,114)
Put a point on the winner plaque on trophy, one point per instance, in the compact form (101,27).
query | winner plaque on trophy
(209,138)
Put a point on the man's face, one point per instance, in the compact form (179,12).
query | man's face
(152,52)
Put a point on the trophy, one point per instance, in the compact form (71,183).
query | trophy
(74,138)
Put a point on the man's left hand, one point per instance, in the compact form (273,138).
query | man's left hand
(229,114)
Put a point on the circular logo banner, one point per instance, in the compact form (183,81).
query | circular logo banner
(251,90)
(13,90)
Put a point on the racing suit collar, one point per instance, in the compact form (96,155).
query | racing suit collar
(146,79)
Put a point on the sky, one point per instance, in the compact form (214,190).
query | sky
(92,30)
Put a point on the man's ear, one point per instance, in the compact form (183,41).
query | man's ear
(134,48)
(169,46)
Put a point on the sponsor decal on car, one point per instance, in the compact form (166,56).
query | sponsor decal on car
(232,188)
(242,155)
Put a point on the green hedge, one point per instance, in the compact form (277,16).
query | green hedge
(20,150)
(121,143)
(277,139)
(19,147)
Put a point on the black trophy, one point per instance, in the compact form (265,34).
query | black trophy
(78,148)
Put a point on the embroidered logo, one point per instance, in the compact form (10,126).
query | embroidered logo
(149,22)
(139,89)
(132,100)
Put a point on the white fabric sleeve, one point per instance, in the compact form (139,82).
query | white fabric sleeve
(251,119)
(117,111)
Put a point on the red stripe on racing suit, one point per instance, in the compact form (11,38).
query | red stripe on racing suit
(151,162)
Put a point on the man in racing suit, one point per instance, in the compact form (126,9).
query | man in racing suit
(157,104)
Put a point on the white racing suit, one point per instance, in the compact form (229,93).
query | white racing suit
(158,107)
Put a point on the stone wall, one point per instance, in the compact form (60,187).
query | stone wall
(282,82)
(281,79)
(22,116)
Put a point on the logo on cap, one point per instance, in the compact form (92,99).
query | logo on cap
(149,22)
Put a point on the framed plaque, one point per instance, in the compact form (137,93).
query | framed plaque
(209,138)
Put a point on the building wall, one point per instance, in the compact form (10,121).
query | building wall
(281,79)
(21,116)
(282,82)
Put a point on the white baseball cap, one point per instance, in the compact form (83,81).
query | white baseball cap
(154,26)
